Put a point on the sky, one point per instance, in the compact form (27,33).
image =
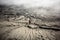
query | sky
(46,3)
(33,3)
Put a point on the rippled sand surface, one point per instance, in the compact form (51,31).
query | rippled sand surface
(28,26)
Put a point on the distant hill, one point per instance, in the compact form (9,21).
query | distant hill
(43,13)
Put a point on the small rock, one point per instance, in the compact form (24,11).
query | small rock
(32,26)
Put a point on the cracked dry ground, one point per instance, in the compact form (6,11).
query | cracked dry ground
(22,29)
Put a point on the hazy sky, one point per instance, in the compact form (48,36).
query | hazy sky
(33,3)
(46,3)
